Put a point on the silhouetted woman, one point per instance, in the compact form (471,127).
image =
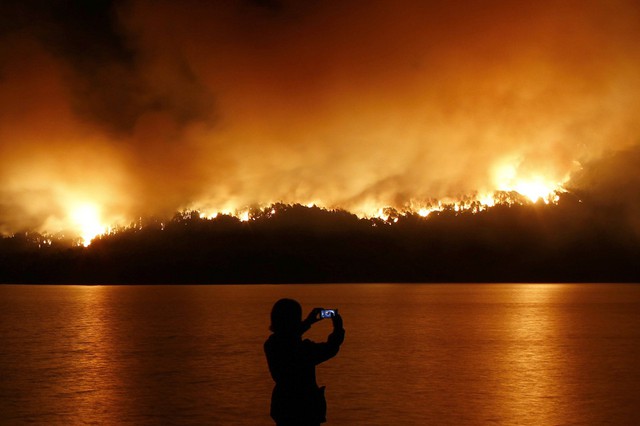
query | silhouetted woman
(296,398)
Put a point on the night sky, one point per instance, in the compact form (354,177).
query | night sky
(128,108)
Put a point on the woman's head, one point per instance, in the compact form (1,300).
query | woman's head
(286,317)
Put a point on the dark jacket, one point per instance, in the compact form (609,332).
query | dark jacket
(296,398)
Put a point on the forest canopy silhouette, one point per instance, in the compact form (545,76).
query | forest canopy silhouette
(567,242)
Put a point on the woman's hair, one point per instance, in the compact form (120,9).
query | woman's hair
(286,317)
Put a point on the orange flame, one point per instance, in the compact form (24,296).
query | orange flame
(87,221)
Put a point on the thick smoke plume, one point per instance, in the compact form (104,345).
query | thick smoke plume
(145,107)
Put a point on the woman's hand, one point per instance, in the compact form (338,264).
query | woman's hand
(337,321)
(314,316)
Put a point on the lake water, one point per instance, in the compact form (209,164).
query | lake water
(448,354)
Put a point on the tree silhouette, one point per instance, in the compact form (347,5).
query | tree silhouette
(570,241)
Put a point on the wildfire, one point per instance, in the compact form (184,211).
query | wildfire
(244,216)
(535,187)
(511,189)
(86,218)
(535,190)
(518,192)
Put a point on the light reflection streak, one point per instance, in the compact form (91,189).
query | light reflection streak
(97,385)
(533,365)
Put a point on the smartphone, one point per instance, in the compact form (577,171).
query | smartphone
(328,313)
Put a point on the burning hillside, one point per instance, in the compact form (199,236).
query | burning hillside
(113,110)
(566,241)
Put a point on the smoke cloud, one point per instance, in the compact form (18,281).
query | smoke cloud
(146,107)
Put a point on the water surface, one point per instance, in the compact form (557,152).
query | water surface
(414,354)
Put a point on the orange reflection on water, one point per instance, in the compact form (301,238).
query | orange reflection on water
(532,385)
(96,388)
